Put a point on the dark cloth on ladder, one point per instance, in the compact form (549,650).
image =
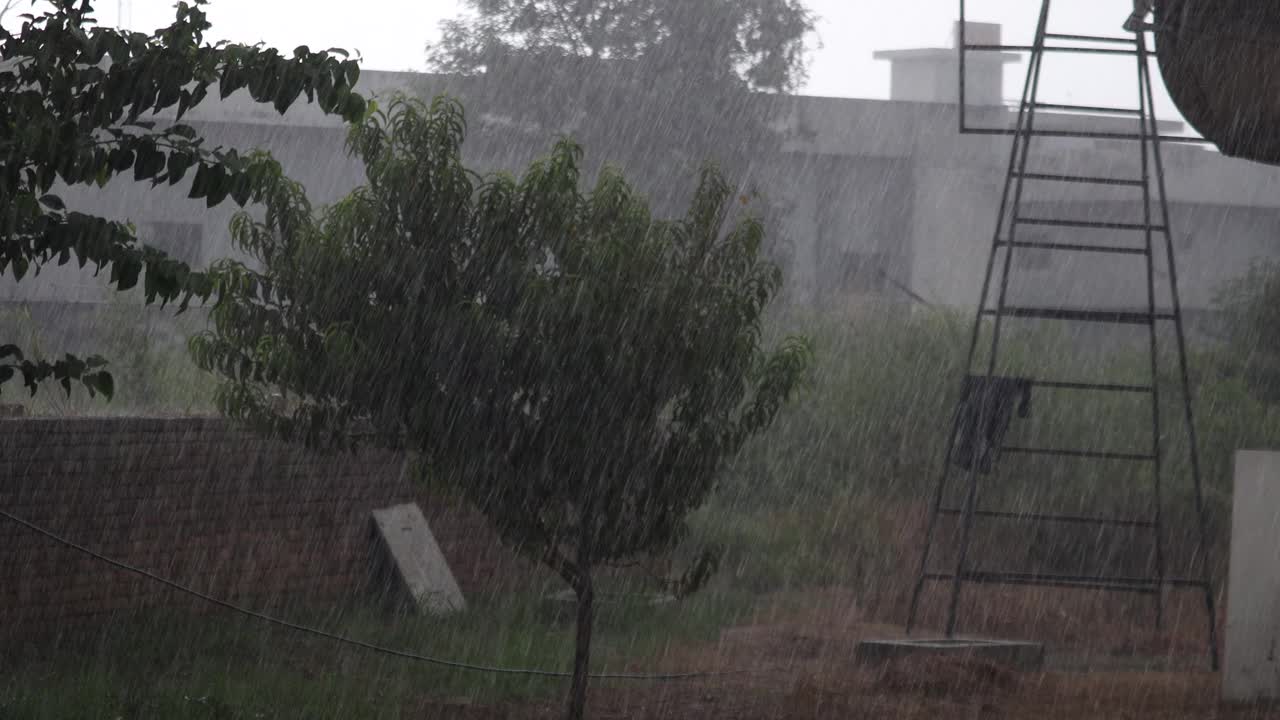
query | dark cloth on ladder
(983,417)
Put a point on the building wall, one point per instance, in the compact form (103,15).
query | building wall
(892,180)
(195,500)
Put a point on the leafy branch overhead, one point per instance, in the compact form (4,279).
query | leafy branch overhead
(82,105)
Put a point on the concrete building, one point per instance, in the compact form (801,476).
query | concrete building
(885,195)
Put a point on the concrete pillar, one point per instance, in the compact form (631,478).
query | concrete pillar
(1252,663)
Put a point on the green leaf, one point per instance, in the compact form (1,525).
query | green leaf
(53,202)
(178,164)
(125,273)
(185,131)
(101,382)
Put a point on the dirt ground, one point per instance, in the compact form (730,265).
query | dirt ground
(799,663)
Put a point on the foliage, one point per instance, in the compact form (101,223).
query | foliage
(655,87)
(169,664)
(762,40)
(153,372)
(78,106)
(866,443)
(580,369)
(1250,307)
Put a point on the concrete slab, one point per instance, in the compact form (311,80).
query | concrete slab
(1012,654)
(412,562)
(1251,670)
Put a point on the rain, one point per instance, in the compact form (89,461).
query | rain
(639,359)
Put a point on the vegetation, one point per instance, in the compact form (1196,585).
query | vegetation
(78,106)
(171,664)
(1251,308)
(657,88)
(866,442)
(155,374)
(579,369)
(763,43)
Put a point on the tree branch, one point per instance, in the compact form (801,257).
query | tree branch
(8,5)
(564,567)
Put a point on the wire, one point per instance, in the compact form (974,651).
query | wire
(454,664)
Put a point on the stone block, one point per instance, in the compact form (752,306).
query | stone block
(1012,654)
(1251,670)
(409,561)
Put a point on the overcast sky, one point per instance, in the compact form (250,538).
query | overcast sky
(390,34)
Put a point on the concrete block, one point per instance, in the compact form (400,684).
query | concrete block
(1012,654)
(1251,668)
(414,563)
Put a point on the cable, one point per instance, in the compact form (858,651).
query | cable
(454,664)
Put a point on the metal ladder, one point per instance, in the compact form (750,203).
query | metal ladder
(1153,226)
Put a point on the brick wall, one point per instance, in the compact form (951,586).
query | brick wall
(205,504)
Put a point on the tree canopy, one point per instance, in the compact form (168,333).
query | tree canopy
(657,87)
(578,369)
(763,41)
(83,105)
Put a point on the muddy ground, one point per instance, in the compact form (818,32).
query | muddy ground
(796,660)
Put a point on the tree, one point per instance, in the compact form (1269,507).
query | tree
(657,87)
(762,41)
(77,107)
(577,369)
(7,6)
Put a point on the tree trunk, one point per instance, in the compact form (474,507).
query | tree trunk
(582,653)
(585,592)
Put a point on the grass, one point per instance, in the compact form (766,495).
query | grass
(219,667)
(144,346)
(811,502)
(815,502)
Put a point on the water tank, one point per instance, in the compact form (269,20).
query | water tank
(1220,60)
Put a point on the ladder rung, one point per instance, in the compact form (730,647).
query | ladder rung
(1079,179)
(1074,247)
(987,47)
(1087,108)
(1093,134)
(1093,454)
(1079,582)
(1106,387)
(1043,517)
(1054,222)
(1090,38)
(1104,316)
(1084,134)
(1089,50)
(1098,582)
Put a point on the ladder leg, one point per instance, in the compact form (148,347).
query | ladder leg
(1157,463)
(933,522)
(1017,152)
(1188,414)
(1030,93)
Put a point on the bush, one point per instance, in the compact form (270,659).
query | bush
(154,375)
(807,502)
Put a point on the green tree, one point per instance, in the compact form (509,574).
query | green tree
(657,87)
(762,41)
(576,368)
(77,107)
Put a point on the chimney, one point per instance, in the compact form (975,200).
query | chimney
(932,74)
